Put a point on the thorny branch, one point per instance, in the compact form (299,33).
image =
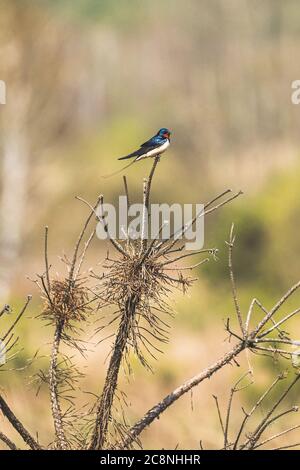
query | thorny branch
(16,423)
(249,341)
(53,385)
(10,444)
(252,438)
(135,301)
(137,285)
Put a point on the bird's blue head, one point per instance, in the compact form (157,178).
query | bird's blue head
(164,133)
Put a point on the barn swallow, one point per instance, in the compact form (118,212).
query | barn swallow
(153,147)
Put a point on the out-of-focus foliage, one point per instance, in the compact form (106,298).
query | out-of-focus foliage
(267,226)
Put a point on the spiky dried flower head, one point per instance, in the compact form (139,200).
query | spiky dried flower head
(139,286)
(68,302)
(133,275)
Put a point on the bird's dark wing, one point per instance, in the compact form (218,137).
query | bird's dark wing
(137,153)
(146,147)
(153,142)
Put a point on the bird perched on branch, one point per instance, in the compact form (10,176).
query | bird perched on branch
(153,147)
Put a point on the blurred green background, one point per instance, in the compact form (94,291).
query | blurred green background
(87,80)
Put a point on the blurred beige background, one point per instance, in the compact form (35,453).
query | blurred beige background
(87,81)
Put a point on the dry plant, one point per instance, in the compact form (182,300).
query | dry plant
(8,342)
(136,284)
(8,339)
(244,437)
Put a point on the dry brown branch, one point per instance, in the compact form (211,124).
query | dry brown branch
(266,421)
(144,217)
(86,246)
(53,385)
(275,436)
(200,214)
(10,444)
(276,307)
(249,341)
(252,438)
(65,303)
(146,201)
(18,318)
(78,243)
(254,408)
(219,414)
(102,219)
(232,279)
(233,390)
(211,251)
(276,325)
(5,309)
(180,233)
(158,409)
(9,340)
(18,426)
(46,259)
(126,190)
(136,284)
(255,439)
(286,447)
(107,397)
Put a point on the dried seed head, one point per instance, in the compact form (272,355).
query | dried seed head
(68,302)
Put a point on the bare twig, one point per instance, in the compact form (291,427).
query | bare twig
(277,324)
(86,246)
(16,423)
(254,408)
(144,217)
(102,219)
(81,235)
(137,285)
(276,307)
(287,446)
(257,432)
(53,385)
(46,259)
(158,409)
(232,279)
(105,403)
(180,233)
(126,190)
(233,390)
(219,414)
(147,196)
(5,309)
(256,437)
(275,436)
(29,297)
(10,444)
(206,250)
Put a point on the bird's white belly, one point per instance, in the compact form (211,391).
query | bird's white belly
(157,151)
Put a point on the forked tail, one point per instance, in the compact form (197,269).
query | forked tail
(118,171)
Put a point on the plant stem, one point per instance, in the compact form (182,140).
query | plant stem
(53,385)
(106,401)
(158,409)
(16,423)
